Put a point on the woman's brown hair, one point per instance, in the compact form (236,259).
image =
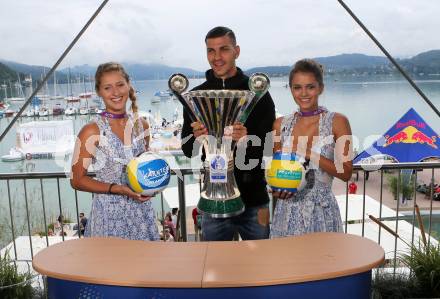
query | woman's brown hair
(308,66)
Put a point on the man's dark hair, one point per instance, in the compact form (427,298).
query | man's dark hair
(220,31)
(174,211)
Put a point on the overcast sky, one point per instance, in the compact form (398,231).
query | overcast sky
(276,32)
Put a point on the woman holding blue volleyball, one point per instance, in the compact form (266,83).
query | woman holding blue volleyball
(320,138)
(108,144)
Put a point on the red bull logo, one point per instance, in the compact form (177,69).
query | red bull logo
(419,137)
(397,138)
(411,135)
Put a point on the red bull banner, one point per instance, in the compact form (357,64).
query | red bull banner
(410,139)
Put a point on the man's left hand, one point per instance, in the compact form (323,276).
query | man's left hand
(238,131)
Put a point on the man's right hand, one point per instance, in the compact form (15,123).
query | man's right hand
(198,129)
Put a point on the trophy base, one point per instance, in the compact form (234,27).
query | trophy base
(221,208)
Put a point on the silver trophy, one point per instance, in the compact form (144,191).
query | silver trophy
(218,110)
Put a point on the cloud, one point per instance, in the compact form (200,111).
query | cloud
(172,32)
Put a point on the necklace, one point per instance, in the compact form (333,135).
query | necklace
(113,115)
(311,113)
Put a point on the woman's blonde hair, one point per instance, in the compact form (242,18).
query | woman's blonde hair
(117,67)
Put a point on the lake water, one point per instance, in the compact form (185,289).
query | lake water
(372,106)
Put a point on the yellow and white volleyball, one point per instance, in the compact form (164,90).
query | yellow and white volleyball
(285,172)
(148,174)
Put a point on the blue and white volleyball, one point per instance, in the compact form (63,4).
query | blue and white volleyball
(286,172)
(148,174)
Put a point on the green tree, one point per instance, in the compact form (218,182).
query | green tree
(14,284)
(406,188)
(424,263)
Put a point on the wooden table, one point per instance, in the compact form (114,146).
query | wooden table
(320,265)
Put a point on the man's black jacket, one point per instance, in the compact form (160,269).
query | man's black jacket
(251,183)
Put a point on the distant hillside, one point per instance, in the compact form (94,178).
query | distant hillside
(158,71)
(6,73)
(85,69)
(272,71)
(350,61)
(349,65)
(36,71)
(423,63)
(136,71)
(87,72)
(139,71)
(331,64)
(430,59)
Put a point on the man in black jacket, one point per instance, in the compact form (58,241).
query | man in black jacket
(253,223)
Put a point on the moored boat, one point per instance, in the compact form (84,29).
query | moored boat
(15,154)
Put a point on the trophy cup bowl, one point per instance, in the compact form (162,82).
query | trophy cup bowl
(218,110)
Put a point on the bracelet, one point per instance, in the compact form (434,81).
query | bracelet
(110,188)
(306,163)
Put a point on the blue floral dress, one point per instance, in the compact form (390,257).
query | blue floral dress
(117,215)
(314,208)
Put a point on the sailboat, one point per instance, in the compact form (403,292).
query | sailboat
(84,109)
(55,96)
(84,98)
(27,82)
(57,109)
(34,107)
(70,99)
(15,154)
(19,91)
(43,111)
(3,108)
(30,112)
(70,110)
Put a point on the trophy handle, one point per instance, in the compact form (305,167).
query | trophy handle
(259,84)
(178,83)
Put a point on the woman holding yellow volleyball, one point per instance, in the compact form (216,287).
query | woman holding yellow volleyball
(321,139)
(108,144)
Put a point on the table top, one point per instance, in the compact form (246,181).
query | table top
(114,261)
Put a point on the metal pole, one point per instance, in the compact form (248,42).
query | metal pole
(397,220)
(28,219)
(77,214)
(54,67)
(346,207)
(380,203)
(430,207)
(44,212)
(363,202)
(12,219)
(182,206)
(61,216)
(414,209)
(163,217)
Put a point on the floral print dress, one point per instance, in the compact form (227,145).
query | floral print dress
(117,215)
(314,208)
